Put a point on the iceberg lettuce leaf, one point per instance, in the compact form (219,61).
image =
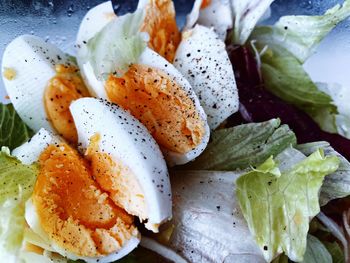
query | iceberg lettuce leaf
(278,203)
(337,184)
(117,46)
(244,145)
(316,251)
(17,181)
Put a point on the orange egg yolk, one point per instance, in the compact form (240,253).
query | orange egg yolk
(161,105)
(62,89)
(72,209)
(160,24)
(117,180)
(205,3)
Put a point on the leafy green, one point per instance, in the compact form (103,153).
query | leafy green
(244,145)
(118,45)
(17,181)
(335,251)
(337,184)
(285,76)
(13,131)
(284,47)
(301,34)
(316,252)
(278,204)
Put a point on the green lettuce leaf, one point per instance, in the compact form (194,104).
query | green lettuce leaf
(337,184)
(300,35)
(335,251)
(316,251)
(284,47)
(244,145)
(285,76)
(278,203)
(118,45)
(17,181)
(13,131)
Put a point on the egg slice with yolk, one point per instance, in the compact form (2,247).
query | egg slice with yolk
(155,93)
(42,84)
(160,24)
(83,204)
(127,161)
(68,208)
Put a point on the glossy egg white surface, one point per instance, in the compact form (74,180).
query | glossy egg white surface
(33,62)
(148,58)
(217,15)
(202,58)
(125,139)
(29,153)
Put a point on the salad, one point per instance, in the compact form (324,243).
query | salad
(152,143)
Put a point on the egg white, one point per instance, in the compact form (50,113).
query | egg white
(148,58)
(217,15)
(29,153)
(33,61)
(127,140)
(202,58)
(32,219)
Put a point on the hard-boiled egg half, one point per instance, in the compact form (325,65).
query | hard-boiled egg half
(118,66)
(41,82)
(216,14)
(202,58)
(83,204)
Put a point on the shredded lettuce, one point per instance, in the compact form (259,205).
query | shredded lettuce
(13,131)
(17,181)
(286,46)
(316,251)
(209,226)
(118,45)
(244,145)
(278,203)
(337,184)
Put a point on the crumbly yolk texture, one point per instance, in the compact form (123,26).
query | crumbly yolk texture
(161,105)
(117,180)
(205,3)
(73,211)
(61,91)
(160,24)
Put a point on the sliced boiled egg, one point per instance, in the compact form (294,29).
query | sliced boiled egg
(202,58)
(41,82)
(215,14)
(83,205)
(150,87)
